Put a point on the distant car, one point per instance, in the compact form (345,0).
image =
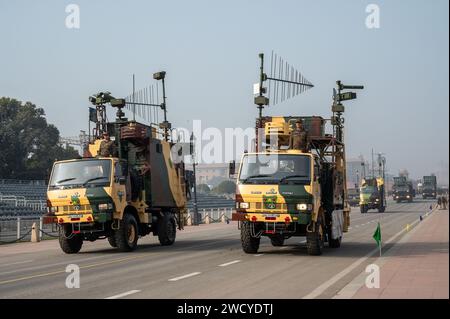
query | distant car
(353,197)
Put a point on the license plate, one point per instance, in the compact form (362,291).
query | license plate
(271,215)
(76,216)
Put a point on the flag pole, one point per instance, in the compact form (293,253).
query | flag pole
(381,241)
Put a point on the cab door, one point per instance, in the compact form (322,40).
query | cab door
(119,192)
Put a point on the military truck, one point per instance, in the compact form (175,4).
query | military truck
(139,189)
(282,192)
(372,195)
(403,189)
(353,196)
(429,187)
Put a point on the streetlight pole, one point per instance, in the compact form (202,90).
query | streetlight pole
(196,220)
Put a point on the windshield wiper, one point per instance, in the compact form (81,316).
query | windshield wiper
(291,176)
(66,180)
(93,179)
(255,176)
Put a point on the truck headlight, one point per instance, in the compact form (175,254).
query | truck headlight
(407,196)
(105,206)
(377,200)
(244,205)
(52,209)
(303,206)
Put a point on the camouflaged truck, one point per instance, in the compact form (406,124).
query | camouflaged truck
(136,191)
(283,192)
(372,195)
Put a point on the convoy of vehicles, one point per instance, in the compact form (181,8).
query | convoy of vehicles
(136,191)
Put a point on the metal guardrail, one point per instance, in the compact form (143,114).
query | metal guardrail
(18,229)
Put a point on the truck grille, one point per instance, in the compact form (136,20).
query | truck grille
(75,208)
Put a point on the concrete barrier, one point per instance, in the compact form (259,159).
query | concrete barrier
(35,233)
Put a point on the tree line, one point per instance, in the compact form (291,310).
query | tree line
(28,144)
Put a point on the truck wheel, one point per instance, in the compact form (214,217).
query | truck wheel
(381,209)
(315,240)
(166,230)
(126,236)
(363,209)
(112,241)
(250,244)
(277,240)
(70,244)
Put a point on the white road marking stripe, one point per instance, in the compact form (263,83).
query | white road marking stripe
(124,294)
(319,290)
(257,255)
(229,263)
(16,263)
(185,276)
(284,247)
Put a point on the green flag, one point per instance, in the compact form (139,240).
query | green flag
(377,235)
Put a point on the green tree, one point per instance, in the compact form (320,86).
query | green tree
(225,187)
(28,144)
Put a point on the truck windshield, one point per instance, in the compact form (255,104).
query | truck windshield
(86,173)
(368,190)
(278,168)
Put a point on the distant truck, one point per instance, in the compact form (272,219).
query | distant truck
(353,196)
(403,189)
(429,187)
(372,195)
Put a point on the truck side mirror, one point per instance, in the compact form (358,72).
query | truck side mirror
(122,180)
(232,168)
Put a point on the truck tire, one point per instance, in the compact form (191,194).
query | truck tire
(277,240)
(126,236)
(315,240)
(250,244)
(167,230)
(69,244)
(112,241)
(381,209)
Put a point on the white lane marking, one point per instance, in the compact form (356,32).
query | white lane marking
(327,284)
(284,247)
(229,263)
(127,293)
(257,255)
(185,276)
(16,263)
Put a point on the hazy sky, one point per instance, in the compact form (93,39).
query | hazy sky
(210,52)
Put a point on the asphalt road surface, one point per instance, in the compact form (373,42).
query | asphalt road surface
(205,262)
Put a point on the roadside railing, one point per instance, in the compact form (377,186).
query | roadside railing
(21,201)
(16,229)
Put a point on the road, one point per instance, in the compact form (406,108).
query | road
(205,262)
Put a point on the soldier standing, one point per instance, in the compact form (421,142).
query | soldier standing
(107,146)
(299,137)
